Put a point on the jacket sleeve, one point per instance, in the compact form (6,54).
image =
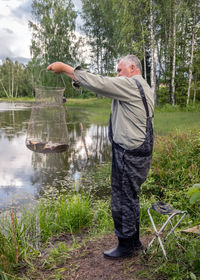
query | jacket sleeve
(120,88)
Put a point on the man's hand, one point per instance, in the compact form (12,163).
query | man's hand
(57,67)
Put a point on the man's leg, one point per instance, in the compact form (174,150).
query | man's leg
(135,173)
(127,178)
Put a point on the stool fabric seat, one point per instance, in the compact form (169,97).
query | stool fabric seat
(164,209)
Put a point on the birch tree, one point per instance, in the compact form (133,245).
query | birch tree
(191,55)
(174,54)
(152,41)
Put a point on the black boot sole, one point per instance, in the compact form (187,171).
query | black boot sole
(117,258)
(120,257)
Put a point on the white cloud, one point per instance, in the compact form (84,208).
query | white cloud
(15,36)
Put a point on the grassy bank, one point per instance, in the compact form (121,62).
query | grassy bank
(175,168)
(17,99)
(79,102)
(105,102)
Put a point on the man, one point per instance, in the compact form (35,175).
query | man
(131,135)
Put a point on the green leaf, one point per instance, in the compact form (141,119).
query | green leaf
(195,197)
(194,189)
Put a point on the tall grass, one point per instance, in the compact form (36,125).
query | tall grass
(68,213)
(175,168)
(170,122)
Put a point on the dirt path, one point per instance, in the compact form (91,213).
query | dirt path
(88,263)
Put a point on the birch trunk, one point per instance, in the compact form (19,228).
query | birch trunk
(12,81)
(152,48)
(4,89)
(195,89)
(16,82)
(191,58)
(174,57)
(9,80)
(144,53)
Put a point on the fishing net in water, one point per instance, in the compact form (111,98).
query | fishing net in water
(47,129)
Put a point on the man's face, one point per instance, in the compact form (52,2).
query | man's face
(124,70)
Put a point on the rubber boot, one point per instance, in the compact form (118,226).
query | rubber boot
(136,239)
(124,249)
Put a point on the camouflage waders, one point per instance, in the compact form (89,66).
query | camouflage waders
(129,170)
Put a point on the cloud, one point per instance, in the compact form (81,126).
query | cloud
(6,39)
(15,35)
(8,30)
(23,10)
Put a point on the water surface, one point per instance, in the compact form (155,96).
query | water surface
(25,175)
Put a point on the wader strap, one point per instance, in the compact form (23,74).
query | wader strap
(143,96)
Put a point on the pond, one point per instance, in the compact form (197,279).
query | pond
(25,175)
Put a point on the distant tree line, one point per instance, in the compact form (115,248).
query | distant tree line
(164,34)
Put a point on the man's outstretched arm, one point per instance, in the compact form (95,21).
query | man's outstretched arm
(60,67)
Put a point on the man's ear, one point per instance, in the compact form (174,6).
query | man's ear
(132,68)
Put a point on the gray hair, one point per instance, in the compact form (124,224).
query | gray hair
(132,59)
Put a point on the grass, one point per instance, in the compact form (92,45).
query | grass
(183,260)
(167,122)
(17,99)
(68,213)
(65,214)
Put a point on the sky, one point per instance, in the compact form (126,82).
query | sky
(15,36)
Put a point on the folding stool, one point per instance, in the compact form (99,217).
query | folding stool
(164,209)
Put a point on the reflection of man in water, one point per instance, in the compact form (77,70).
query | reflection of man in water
(131,135)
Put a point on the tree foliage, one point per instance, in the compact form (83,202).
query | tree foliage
(99,28)
(53,36)
(15,79)
(164,34)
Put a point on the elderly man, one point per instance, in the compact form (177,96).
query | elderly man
(131,135)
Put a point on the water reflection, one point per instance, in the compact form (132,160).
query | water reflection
(15,169)
(26,175)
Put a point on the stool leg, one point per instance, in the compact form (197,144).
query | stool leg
(174,227)
(156,235)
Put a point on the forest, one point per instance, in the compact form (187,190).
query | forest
(164,34)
